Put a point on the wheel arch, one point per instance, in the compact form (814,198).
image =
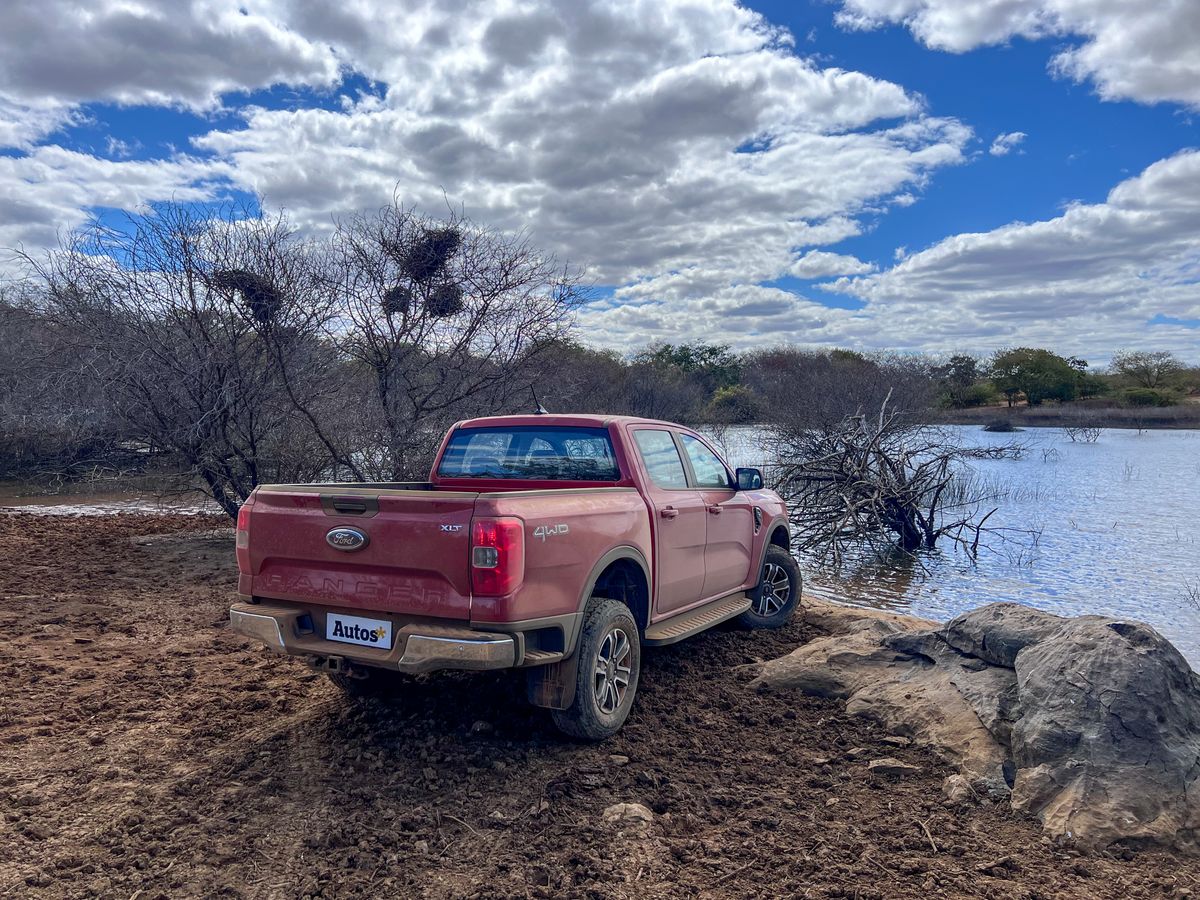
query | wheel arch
(778,535)
(621,574)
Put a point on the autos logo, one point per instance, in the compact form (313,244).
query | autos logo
(346,539)
(358,633)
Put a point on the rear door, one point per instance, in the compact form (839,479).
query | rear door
(678,514)
(729,538)
(414,560)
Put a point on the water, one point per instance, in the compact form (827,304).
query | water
(13,500)
(1108,528)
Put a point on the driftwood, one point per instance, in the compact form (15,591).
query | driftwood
(881,479)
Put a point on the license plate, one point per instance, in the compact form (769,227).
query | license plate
(355,630)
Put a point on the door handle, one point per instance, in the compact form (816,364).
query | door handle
(668,512)
(714,510)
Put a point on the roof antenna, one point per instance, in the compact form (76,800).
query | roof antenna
(538,410)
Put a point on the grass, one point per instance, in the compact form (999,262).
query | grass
(1184,415)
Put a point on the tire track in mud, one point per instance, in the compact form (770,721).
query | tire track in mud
(167,756)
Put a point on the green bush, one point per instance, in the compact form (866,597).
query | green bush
(733,406)
(1149,397)
(982,394)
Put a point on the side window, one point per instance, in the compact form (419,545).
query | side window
(710,471)
(661,458)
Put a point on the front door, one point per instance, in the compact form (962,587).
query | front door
(679,520)
(729,536)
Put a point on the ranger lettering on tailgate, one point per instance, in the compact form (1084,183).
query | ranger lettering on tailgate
(332,588)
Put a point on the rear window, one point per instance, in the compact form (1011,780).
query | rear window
(532,453)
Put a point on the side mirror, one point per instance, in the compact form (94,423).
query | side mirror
(749,479)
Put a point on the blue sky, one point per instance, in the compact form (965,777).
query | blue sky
(870,210)
(1076,145)
(1076,149)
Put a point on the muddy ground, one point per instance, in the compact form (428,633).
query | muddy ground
(147,752)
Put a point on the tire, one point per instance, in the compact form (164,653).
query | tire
(770,607)
(610,651)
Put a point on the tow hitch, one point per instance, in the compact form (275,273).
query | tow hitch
(336,665)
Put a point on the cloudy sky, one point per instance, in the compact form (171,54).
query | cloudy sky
(907,174)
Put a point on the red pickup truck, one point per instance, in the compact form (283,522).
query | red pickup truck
(557,543)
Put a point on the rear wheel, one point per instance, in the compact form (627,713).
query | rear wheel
(610,659)
(778,593)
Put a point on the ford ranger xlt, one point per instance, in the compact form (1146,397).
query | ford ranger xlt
(560,544)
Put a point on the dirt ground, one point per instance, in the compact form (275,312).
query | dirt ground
(147,752)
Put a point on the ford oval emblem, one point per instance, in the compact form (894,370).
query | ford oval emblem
(346,539)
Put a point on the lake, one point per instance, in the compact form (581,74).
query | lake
(1114,531)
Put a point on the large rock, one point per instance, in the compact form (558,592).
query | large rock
(1093,723)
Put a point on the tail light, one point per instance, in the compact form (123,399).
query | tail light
(497,556)
(242,539)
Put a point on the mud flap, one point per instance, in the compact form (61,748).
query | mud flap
(553,686)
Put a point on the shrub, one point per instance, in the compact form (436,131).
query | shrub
(982,394)
(733,406)
(1143,396)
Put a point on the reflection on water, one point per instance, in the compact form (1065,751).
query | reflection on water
(1108,528)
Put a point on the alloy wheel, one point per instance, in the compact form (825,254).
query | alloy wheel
(613,670)
(774,592)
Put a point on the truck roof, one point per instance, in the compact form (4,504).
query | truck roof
(579,420)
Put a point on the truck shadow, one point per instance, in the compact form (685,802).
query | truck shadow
(467,721)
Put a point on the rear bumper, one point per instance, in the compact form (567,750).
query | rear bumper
(419,646)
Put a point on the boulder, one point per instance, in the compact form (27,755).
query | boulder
(1091,724)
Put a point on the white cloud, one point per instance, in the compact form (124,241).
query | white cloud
(1006,143)
(823,264)
(1087,281)
(22,125)
(1130,51)
(152,51)
(686,306)
(612,133)
(49,191)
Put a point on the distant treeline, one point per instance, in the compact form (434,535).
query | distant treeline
(228,350)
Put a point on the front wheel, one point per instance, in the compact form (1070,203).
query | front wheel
(778,593)
(610,658)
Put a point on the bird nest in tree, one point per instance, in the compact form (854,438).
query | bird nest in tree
(426,255)
(397,301)
(258,293)
(445,300)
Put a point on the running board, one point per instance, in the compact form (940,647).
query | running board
(696,620)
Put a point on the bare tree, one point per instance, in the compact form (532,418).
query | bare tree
(879,480)
(804,389)
(54,421)
(184,316)
(1084,434)
(438,320)
(1149,369)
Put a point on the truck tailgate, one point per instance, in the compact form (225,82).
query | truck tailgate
(415,560)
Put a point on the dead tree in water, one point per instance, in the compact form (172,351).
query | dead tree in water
(881,480)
